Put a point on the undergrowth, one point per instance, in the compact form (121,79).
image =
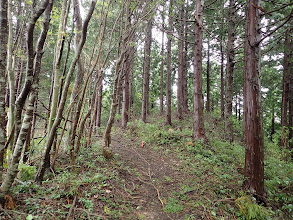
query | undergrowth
(218,168)
(211,178)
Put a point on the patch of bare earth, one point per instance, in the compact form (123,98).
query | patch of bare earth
(157,177)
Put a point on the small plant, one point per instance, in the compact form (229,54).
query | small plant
(251,210)
(26,172)
(173,206)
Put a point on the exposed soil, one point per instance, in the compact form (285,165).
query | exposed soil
(157,176)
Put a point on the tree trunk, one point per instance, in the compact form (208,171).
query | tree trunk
(99,106)
(180,64)
(79,70)
(254,151)
(273,131)
(3,79)
(222,82)
(208,105)
(198,125)
(57,64)
(290,94)
(125,102)
(107,150)
(184,65)
(146,72)
(169,68)
(284,107)
(162,72)
(10,72)
(131,58)
(230,72)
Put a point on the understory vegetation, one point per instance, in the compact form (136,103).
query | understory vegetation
(205,180)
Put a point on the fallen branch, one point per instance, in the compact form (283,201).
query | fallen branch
(71,208)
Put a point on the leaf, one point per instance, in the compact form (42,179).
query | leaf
(107,210)
(29,217)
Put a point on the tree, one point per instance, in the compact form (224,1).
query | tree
(230,71)
(180,63)
(3,79)
(169,69)
(254,140)
(285,89)
(162,71)
(208,104)
(146,71)
(198,123)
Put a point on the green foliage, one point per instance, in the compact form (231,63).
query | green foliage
(27,172)
(250,210)
(173,206)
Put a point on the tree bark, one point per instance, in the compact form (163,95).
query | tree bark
(10,71)
(162,71)
(290,93)
(230,72)
(3,78)
(184,65)
(180,64)
(222,82)
(198,124)
(169,68)
(146,72)
(208,105)
(79,72)
(125,102)
(99,106)
(284,107)
(254,150)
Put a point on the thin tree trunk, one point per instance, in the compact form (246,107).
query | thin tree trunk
(230,72)
(125,102)
(3,79)
(58,51)
(198,125)
(169,68)
(290,94)
(254,151)
(131,58)
(222,81)
(184,65)
(273,131)
(79,71)
(208,105)
(10,72)
(284,107)
(146,72)
(180,65)
(99,107)
(162,71)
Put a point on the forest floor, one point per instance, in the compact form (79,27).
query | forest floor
(170,177)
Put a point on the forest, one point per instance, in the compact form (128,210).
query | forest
(155,109)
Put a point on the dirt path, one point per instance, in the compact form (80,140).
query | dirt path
(157,177)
